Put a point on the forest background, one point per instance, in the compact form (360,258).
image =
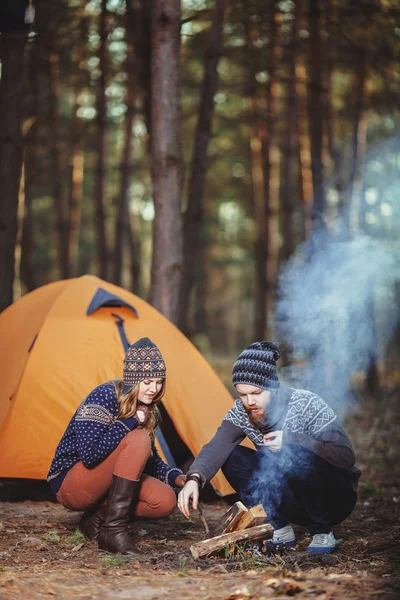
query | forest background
(235,163)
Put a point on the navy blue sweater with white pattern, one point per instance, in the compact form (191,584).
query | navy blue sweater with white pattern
(94,432)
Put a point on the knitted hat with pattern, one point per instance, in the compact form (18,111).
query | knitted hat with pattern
(256,365)
(143,361)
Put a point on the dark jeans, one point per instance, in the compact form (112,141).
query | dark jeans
(294,486)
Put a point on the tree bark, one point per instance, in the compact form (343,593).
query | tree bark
(305,175)
(166,166)
(290,152)
(100,174)
(77,157)
(123,227)
(359,148)
(259,195)
(143,57)
(31,167)
(194,215)
(315,115)
(57,157)
(271,166)
(11,155)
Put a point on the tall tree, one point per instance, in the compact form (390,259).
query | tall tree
(100,172)
(123,226)
(270,162)
(12,44)
(258,187)
(290,154)
(194,215)
(166,163)
(316,113)
(359,144)
(77,158)
(56,151)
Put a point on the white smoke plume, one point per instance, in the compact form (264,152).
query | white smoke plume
(336,311)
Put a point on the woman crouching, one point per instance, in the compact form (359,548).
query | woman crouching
(106,463)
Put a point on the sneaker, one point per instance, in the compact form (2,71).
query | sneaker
(282,538)
(323,543)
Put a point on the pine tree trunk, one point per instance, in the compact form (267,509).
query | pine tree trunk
(305,174)
(333,14)
(31,168)
(271,166)
(258,187)
(123,229)
(194,216)
(77,158)
(100,173)
(261,225)
(11,155)
(166,167)
(57,158)
(315,115)
(290,150)
(143,57)
(359,148)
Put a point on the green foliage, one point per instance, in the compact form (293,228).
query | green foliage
(182,570)
(76,538)
(52,537)
(69,33)
(112,561)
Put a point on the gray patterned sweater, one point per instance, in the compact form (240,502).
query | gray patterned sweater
(303,417)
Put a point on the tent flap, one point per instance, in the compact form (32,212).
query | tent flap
(102,298)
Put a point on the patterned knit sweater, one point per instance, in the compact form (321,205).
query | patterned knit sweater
(94,432)
(303,417)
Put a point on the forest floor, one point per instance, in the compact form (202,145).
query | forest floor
(43,556)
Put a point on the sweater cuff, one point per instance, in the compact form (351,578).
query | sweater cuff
(171,476)
(130,423)
(202,477)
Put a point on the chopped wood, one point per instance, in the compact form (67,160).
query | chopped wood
(207,547)
(229,520)
(254,516)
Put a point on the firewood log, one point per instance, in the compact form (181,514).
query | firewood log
(254,516)
(207,547)
(228,521)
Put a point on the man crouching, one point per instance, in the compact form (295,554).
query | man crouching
(302,470)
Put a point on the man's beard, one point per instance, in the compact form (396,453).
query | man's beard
(256,419)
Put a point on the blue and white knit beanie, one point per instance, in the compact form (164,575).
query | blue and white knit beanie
(142,361)
(256,365)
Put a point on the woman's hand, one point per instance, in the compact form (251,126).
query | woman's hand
(190,491)
(273,440)
(142,414)
(180,481)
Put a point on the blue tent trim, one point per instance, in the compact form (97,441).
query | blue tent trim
(102,298)
(165,448)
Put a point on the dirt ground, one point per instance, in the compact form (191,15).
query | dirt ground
(43,556)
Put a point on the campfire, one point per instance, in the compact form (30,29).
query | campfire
(238,524)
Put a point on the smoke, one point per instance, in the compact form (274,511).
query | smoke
(336,311)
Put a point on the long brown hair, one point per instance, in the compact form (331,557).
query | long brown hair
(128,405)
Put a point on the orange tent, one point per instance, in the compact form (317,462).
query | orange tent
(60,341)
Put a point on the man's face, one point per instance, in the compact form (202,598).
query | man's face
(255,401)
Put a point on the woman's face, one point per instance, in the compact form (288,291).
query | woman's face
(148,390)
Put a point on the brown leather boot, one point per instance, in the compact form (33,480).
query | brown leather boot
(113,535)
(92,521)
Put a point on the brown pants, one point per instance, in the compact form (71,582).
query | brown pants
(82,488)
